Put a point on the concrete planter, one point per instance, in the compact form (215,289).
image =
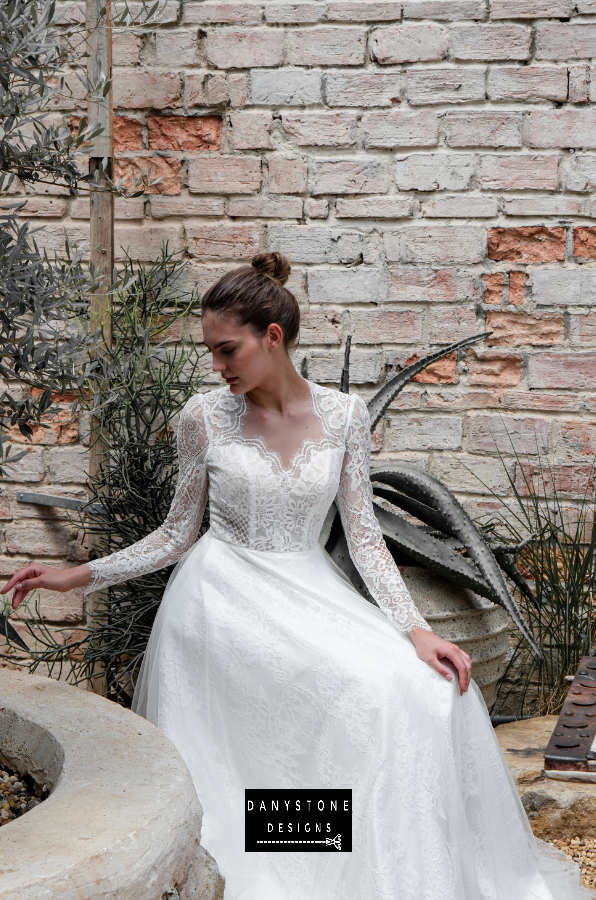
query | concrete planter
(472,622)
(122,819)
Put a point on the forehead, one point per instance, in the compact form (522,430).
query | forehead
(219,326)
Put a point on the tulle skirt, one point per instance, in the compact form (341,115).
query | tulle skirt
(268,670)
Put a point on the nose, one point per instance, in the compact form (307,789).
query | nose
(217,366)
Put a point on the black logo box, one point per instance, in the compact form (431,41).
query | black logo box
(318,820)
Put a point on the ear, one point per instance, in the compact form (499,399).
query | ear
(274,336)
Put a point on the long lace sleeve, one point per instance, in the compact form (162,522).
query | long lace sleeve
(363,533)
(178,533)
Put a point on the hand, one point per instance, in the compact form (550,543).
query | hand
(431,648)
(38,575)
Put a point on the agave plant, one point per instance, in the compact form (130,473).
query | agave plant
(449,542)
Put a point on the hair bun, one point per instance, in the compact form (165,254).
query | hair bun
(275,265)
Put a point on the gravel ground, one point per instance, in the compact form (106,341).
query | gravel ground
(583,852)
(17,795)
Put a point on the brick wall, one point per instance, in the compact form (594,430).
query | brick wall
(427,166)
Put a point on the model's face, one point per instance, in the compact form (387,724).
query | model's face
(244,359)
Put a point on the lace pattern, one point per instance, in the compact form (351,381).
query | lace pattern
(257,503)
(364,536)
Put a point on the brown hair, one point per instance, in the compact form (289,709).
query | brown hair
(257,296)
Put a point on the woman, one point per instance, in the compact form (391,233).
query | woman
(267,669)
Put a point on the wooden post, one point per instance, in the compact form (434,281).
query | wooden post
(101,221)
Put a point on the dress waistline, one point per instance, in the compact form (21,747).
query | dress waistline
(294,554)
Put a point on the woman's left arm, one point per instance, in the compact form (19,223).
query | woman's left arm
(372,558)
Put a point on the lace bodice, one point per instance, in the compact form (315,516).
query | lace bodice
(256,502)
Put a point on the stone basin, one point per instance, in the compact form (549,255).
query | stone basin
(122,818)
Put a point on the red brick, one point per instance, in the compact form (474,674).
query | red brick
(517,288)
(584,242)
(516,329)
(493,288)
(443,371)
(128,134)
(184,132)
(531,243)
(224,241)
(491,368)
(573,371)
(544,480)
(578,438)
(166,169)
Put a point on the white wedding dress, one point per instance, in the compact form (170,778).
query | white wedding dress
(267,669)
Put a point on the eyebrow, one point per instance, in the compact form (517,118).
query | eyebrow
(221,343)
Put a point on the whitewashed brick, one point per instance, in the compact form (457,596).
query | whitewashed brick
(287,176)
(582,175)
(179,45)
(563,287)
(357,285)
(527,83)
(452,323)
(393,207)
(444,244)
(445,10)
(468,474)
(224,175)
(427,432)
(235,49)
(489,434)
(337,46)
(163,206)
(519,171)
(324,367)
(324,129)
(462,207)
(483,129)
(285,87)
(320,326)
(478,42)
(206,89)
(578,84)
(238,89)
(250,130)
(390,326)
(317,209)
(434,172)
(363,88)
(223,12)
(531,9)
(399,128)
(415,284)
(314,244)
(556,205)
(265,208)
(224,241)
(558,40)
(126,49)
(446,85)
(350,176)
(371,11)
(563,127)
(145,242)
(294,13)
(409,43)
(30,468)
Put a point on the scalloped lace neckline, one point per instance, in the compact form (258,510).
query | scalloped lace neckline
(259,441)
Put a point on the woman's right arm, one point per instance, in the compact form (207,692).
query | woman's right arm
(162,547)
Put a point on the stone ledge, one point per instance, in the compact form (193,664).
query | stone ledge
(556,809)
(122,819)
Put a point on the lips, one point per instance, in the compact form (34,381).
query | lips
(232,380)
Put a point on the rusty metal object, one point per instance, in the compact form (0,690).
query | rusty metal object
(572,746)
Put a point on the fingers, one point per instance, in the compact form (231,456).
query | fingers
(18,577)
(463,664)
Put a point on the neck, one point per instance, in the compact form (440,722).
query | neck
(281,391)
